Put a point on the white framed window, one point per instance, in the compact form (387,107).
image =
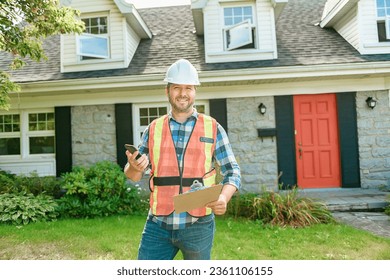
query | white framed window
(41,133)
(27,134)
(239,28)
(383,20)
(94,42)
(10,134)
(144,114)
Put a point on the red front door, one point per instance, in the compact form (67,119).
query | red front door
(317,141)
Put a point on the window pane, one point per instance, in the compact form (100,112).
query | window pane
(42,145)
(7,127)
(93,46)
(8,119)
(162,111)
(94,21)
(32,117)
(237,11)
(103,21)
(153,112)
(228,12)
(387,3)
(9,146)
(382,32)
(381,13)
(144,121)
(143,112)
(94,30)
(200,108)
(248,11)
(228,21)
(41,126)
(42,117)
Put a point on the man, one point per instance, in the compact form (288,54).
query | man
(182,148)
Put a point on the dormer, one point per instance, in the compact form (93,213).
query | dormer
(237,30)
(365,24)
(113,30)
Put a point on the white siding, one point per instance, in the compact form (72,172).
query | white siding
(347,27)
(132,41)
(123,40)
(369,32)
(359,27)
(265,32)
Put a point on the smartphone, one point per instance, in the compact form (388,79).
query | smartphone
(132,149)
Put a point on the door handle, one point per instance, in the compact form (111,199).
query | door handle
(300,153)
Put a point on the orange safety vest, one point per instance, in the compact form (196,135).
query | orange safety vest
(166,181)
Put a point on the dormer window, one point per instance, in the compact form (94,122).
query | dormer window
(93,43)
(383,20)
(239,28)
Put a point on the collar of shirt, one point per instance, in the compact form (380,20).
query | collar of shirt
(194,114)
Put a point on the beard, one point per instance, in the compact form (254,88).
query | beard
(178,107)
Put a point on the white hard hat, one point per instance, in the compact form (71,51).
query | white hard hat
(182,72)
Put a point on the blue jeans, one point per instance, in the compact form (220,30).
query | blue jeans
(195,241)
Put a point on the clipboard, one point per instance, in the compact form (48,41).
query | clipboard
(191,200)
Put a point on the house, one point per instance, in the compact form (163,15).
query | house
(292,82)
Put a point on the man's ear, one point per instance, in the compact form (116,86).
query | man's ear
(166,90)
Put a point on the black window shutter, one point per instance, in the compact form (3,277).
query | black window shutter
(284,117)
(349,147)
(63,140)
(218,111)
(124,131)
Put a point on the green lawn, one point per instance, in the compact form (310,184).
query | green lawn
(117,238)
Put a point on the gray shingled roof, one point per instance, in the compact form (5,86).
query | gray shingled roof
(300,41)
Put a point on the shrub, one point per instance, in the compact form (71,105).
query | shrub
(288,209)
(241,205)
(23,208)
(100,190)
(10,183)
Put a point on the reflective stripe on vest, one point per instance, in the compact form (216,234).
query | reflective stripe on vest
(197,163)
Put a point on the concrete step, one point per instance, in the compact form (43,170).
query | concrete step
(350,199)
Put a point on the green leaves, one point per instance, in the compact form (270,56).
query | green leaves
(98,191)
(24,24)
(283,208)
(21,209)
(288,209)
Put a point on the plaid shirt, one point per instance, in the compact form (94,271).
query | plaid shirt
(223,155)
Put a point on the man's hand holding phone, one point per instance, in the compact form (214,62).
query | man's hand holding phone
(135,159)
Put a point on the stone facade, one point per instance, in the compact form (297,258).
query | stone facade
(374,139)
(93,134)
(257,157)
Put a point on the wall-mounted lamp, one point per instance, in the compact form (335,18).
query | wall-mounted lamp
(262,108)
(371,102)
